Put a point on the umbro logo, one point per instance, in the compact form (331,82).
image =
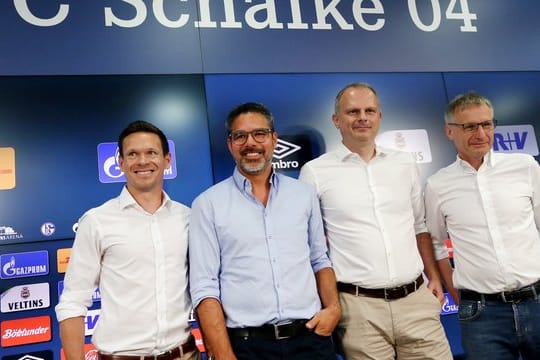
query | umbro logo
(284,149)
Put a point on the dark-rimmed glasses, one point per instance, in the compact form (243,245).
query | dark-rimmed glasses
(240,137)
(473,127)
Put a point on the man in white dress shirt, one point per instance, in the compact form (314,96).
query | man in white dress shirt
(373,211)
(134,247)
(489,205)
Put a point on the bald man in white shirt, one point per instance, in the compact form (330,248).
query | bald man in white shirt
(489,204)
(373,212)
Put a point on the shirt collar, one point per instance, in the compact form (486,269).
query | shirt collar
(127,200)
(489,161)
(244,184)
(343,153)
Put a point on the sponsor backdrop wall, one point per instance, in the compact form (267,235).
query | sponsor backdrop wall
(74,73)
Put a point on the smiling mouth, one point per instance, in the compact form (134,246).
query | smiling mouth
(144,172)
(251,153)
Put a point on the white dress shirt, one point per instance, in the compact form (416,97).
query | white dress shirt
(372,213)
(491,216)
(139,262)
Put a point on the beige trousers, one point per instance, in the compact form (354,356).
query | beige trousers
(404,329)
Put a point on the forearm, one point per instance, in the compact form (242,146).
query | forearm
(212,322)
(425,248)
(325,321)
(72,337)
(327,287)
(446,272)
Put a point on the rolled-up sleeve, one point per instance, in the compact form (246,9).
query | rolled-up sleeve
(204,253)
(317,241)
(83,271)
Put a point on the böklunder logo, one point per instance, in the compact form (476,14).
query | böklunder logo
(26,331)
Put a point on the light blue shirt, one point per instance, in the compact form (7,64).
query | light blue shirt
(259,262)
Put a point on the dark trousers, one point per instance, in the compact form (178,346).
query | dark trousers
(308,346)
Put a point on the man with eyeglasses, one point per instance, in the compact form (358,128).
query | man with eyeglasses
(373,212)
(259,269)
(489,205)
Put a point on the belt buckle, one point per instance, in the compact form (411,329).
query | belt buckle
(276,330)
(387,295)
(166,354)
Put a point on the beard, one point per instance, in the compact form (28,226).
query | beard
(254,167)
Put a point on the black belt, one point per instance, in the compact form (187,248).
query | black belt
(272,331)
(527,292)
(394,293)
(172,354)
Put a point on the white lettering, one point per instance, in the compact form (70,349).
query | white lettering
(159,13)
(359,11)
(269,7)
(296,16)
(323,12)
(14,333)
(285,164)
(24,11)
(138,19)
(436,10)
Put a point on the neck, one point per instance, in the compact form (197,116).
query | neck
(365,150)
(260,185)
(150,201)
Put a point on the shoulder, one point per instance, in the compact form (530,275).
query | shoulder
(180,208)
(398,155)
(513,158)
(294,185)
(215,192)
(442,175)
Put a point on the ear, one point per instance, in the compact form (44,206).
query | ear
(335,120)
(229,145)
(121,163)
(449,132)
(168,158)
(274,138)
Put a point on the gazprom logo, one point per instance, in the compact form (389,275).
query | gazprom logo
(109,164)
(449,306)
(414,141)
(515,139)
(17,265)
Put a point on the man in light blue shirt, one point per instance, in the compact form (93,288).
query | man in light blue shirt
(260,277)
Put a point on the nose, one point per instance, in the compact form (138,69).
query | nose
(250,139)
(480,131)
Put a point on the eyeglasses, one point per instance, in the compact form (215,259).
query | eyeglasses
(259,135)
(473,127)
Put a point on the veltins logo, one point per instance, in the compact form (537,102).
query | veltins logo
(9,233)
(449,306)
(515,139)
(25,297)
(96,296)
(62,259)
(109,166)
(291,152)
(90,321)
(414,141)
(7,168)
(90,353)
(17,265)
(26,331)
(34,355)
